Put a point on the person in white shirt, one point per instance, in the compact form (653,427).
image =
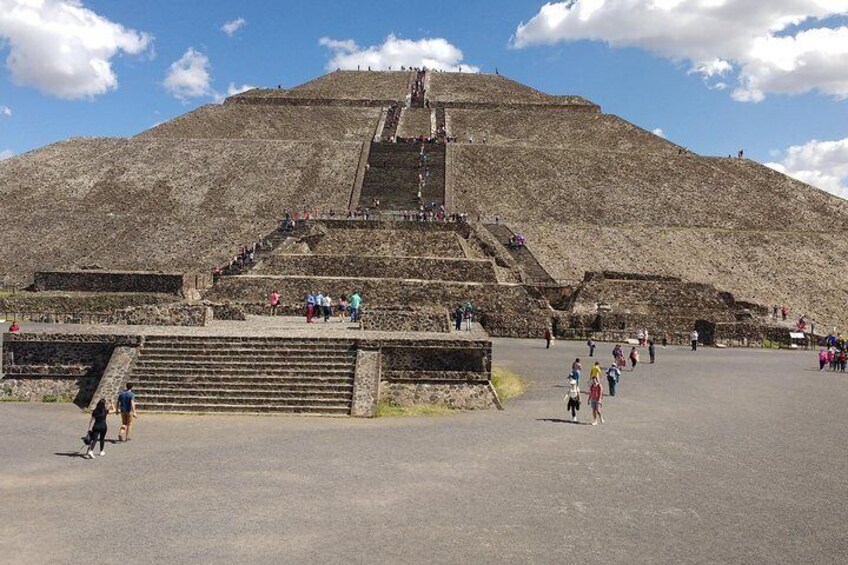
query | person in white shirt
(327,307)
(693,337)
(573,399)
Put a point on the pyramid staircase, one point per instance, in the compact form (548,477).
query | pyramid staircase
(393,176)
(245,374)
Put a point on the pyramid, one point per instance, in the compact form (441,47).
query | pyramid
(592,192)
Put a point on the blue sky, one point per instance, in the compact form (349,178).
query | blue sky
(715,76)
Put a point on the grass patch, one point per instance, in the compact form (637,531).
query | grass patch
(56,398)
(386,409)
(507,384)
(12,399)
(769,344)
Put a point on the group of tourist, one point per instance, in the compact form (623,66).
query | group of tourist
(244,258)
(834,354)
(463,313)
(320,305)
(97,427)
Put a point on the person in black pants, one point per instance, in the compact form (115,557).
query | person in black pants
(97,429)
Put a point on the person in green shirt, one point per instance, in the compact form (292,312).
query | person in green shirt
(355,302)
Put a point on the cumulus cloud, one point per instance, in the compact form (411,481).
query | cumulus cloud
(232,90)
(6,153)
(436,53)
(63,48)
(779,46)
(5,111)
(659,132)
(820,163)
(188,77)
(233,26)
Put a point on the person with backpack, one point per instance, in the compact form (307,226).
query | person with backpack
(549,336)
(613,376)
(590,343)
(126,408)
(573,399)
(576,369)
(97,429)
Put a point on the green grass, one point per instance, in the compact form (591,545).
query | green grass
(386,409)
(56,398)
(507,384)
(769,344)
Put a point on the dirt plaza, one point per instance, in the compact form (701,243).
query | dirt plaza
(719,456)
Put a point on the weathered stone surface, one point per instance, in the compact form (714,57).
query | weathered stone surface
(115,375)
(406,320)
(366,384)
(100,281)
(464,396)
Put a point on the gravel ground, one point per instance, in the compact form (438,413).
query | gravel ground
(721,456)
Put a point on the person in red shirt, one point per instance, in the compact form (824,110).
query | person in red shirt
(596,393)
(274,302)
(14,328)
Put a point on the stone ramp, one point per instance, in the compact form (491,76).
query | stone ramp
(392,176)
(536,273)
(237,374)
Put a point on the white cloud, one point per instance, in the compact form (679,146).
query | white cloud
(779,46)
(189,77)
(659,132)
(5,111)
(6,153)
(820,163)
(233,26)
(434,53)
(232,90)
(63,48)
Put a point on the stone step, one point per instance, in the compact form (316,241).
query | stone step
(302,345)
(246,380)
(291,386)
(194,408)
(247,397)
(302,372)
(252,360)
(222,355)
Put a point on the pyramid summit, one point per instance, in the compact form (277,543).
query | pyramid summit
(590,192)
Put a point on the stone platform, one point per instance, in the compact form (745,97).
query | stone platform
(262,364)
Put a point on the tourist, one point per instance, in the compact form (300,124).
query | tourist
(97,428)
(327,307)
(634,359)
(310,307)
(596,394)
(590,343)
(576,369)
(342,308)
(355,303)
(640,336)
(843,360)
(613,376)
(822,359)
(783,313)
(693,339)
(126,408)
(616,352)
(595,371)
(652,351)
(573,399)
(319,304)
(14,328)
(469,316)
(549,336)
(458,314)
(274,302)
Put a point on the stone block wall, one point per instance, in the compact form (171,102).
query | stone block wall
(101,281)
(366,384)
(406,320)
(462,270)
(458,396)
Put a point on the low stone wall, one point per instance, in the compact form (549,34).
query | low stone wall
(77,303)
(459,396)
(406,320)
(103,281)
(49,388)
(366,384)
(165,315)
(462,270)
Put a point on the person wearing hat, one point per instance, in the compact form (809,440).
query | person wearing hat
(573,399)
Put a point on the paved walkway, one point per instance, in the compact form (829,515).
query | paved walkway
(723,456)
(257,326)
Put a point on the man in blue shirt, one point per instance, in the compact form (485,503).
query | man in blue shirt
(126,408)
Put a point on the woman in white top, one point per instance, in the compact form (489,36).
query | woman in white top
(573,399)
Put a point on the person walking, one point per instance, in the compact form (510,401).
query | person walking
(595,371)
(469,316)
(634,359)
(613,376)
(310,307)
(693,339)
(97,428)
(126,408)
(590,343)
(652,351)
(327,308)
(549,336)
(573,399)
(822,359)
(596,394)
(342,308)
(457,317)
(576,369)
